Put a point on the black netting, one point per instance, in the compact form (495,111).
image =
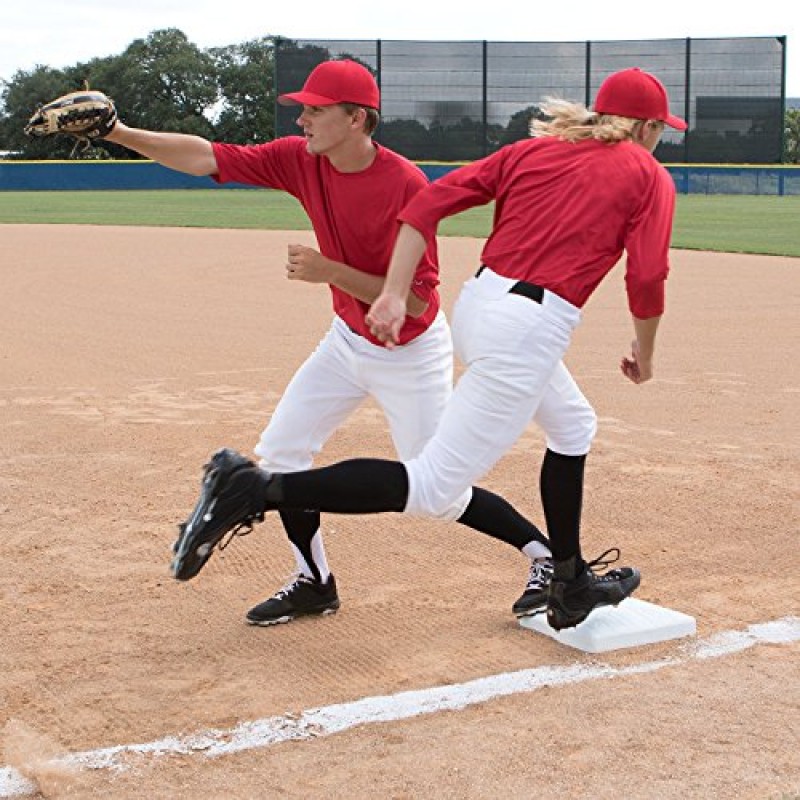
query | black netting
(458,101)
(737,101)
(521,75)
(432,99)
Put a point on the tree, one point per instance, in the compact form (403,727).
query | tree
(246,83)
(791,137)
(519,125)
(20,98)
(407,136)
(163,82)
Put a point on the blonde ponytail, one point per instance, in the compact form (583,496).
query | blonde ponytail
(573,122)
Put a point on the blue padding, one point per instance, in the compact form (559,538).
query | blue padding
(123,175)
(97,175)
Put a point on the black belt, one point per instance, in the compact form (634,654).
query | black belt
(529,290)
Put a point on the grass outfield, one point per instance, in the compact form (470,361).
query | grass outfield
(725,223)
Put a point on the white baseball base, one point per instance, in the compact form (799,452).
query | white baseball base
(630,624)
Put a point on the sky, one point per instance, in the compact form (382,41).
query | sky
(60,33)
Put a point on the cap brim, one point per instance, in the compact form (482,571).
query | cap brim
(675,122)
(305,99)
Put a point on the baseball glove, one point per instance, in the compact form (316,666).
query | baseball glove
(85,115)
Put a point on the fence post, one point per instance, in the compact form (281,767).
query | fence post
(588,76)
(782,135)
(378,62)
(687,99)
(485,108)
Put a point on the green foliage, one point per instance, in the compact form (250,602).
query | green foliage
(21,96)
(412,133)
(246,81)
(519,125)
(450,140)
(791,137)
(162,82)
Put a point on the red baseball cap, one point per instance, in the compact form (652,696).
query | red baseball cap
(638,95)
(333,82)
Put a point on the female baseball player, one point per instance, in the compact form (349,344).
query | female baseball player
(568,202)
(352,190)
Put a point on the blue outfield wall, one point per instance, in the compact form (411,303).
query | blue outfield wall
(97,175)
(767,179)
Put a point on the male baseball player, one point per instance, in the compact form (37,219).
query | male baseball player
(570,200)
(352,189)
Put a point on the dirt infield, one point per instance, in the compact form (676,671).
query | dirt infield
(129,354)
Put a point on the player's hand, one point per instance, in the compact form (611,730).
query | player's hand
(307,264)
(386,317)
(636,368)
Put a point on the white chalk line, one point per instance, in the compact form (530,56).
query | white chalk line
(332,719)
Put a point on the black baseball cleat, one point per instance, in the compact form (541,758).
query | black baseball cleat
(533,600)
(231,500)
(299,598)
(570,602)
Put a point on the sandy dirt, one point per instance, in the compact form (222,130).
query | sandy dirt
(127,355)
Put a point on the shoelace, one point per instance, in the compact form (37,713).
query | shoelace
(294,579)
(540,574)
(241,529)
(603,561)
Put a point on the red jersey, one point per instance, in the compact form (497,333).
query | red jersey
(354,214)
(564,214)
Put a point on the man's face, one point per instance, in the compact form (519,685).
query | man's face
(326,128)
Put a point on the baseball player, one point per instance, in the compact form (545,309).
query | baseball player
(569,201)
(352,189)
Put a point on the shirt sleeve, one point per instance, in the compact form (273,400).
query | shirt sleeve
(466,187)
(647,244)
(272,164)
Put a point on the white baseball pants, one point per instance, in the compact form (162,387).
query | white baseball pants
(512,348)
(412,385)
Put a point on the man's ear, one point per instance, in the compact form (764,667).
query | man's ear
(359,118)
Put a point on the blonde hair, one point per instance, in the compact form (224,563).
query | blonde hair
(574,122)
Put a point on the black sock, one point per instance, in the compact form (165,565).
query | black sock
(567,570)
(358,486)
(561,486)
(491,514)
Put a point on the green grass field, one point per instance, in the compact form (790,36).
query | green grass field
(725,223)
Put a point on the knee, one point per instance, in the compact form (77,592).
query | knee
(575,436)
(436,503)
(278,454)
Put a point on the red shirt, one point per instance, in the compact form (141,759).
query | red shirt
(354,214)
(564,213)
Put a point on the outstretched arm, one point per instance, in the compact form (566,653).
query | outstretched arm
(179,151)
